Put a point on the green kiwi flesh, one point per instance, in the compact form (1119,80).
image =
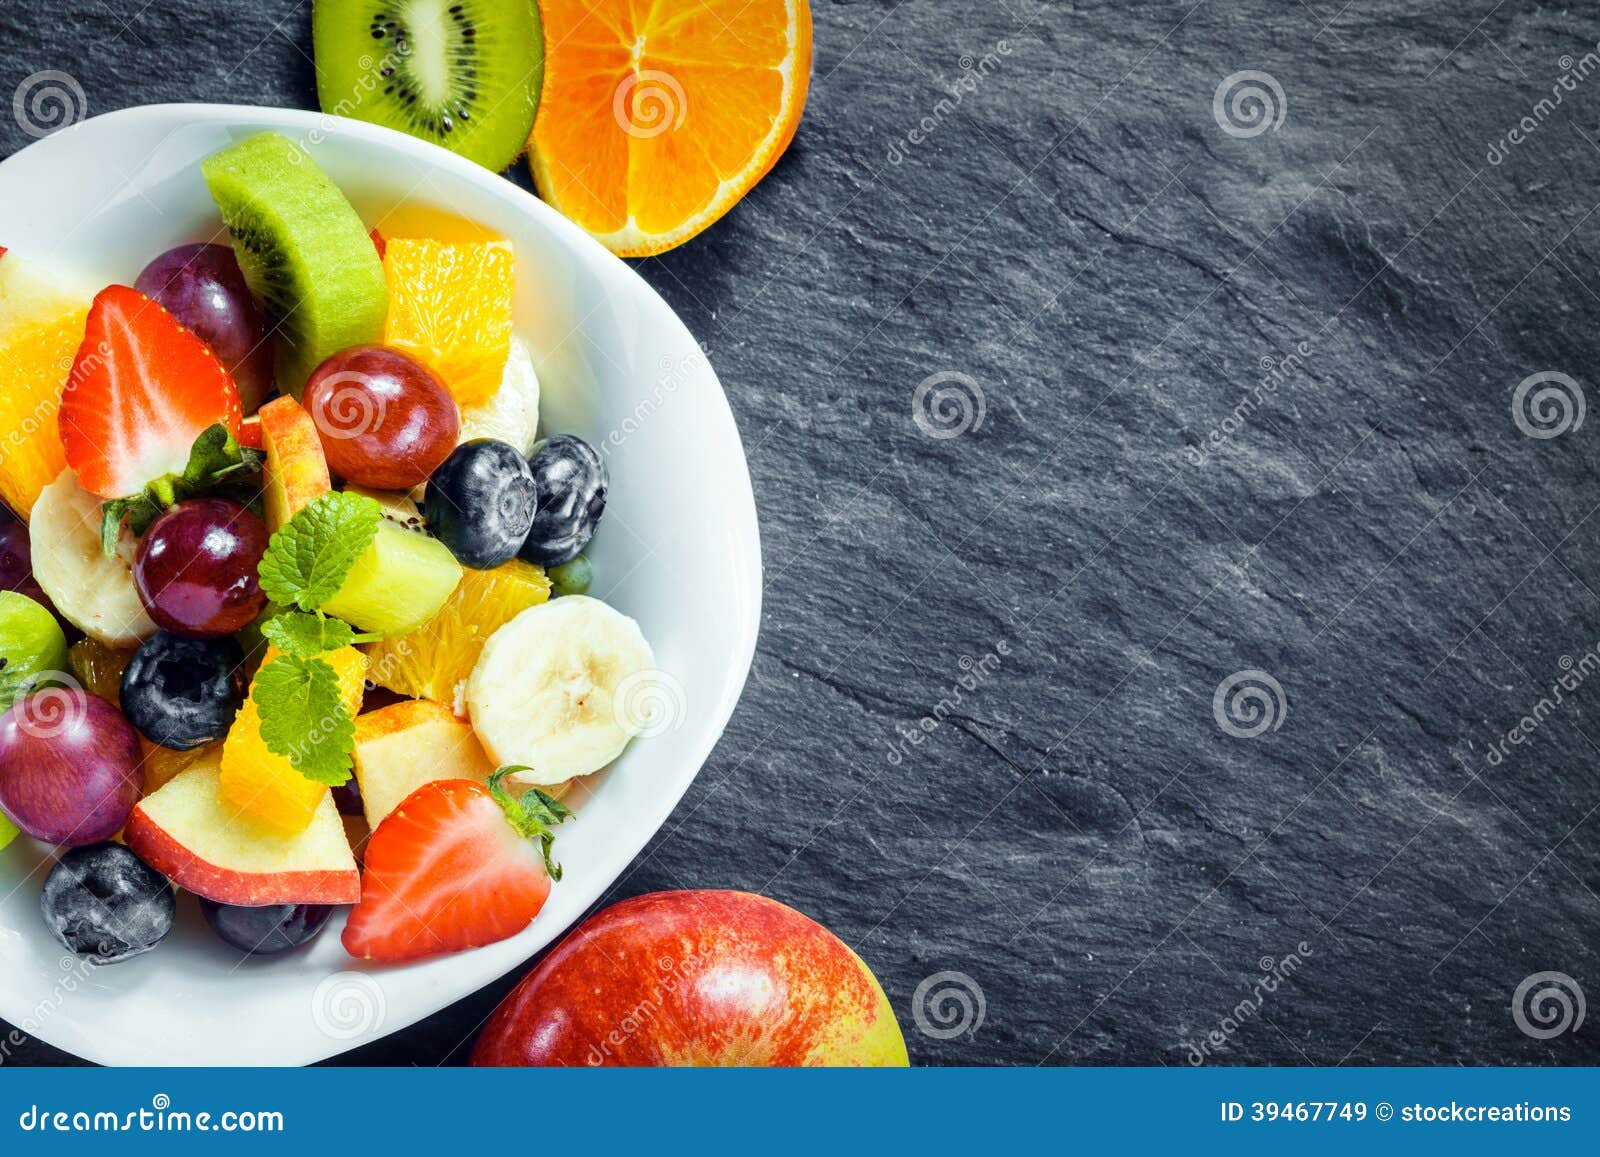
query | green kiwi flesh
(304,251)
(464,74)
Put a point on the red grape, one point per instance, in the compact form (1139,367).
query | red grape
(196,568)
(386,421)
(202,286)
(69,767)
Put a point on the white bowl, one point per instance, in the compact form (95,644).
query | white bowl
(678,550)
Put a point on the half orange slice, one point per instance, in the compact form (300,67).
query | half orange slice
(658,117)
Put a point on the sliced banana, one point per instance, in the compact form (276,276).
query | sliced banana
(562,688)
(512,415)
(94,593)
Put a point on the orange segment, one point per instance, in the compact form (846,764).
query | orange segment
(450,308)
(433,660)
(657,118)
(162,765)
(34,364)
(99,668)
(266,786)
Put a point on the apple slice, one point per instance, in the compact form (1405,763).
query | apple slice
(401,747)
(296,471)
(186,832)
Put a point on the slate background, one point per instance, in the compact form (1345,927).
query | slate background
(1079,236)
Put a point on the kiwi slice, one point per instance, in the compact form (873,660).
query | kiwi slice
(465,74)
(304,250)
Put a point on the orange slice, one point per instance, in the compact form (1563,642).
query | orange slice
(432,661)
(450,308)
(264,785)
(657,118)
(34,365)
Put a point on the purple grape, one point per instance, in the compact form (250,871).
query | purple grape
(202,287)
(70,767)
(16,561)
(196,568)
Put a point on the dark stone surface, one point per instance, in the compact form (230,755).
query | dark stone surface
(1080,237)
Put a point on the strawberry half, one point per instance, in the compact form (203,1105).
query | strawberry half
(142,390)
(458,865)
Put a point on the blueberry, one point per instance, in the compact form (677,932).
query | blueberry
(182,693)
(572,483)
(265,931)
(480,502)
(104,902)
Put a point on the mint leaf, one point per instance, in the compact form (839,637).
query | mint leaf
(304,719)
(303,635)
(307,560)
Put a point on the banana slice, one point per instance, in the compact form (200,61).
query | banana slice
(562,688)
(94,593)
(512,415)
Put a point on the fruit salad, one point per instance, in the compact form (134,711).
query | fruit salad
(294,607)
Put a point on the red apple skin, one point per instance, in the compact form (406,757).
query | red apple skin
(696,978)
(158,848)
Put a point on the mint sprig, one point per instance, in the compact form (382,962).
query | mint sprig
(304,717)
(533,816)
(310,556)
(308,635)
(217,465)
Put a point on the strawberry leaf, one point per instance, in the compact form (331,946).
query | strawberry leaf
(217,463)
(309,557)
(215,457)
(304,719)
(533,816)
(138,512)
